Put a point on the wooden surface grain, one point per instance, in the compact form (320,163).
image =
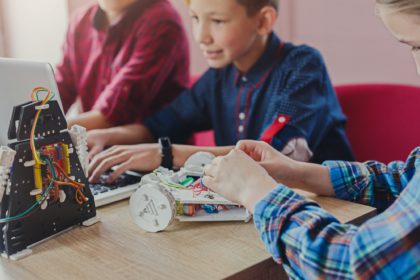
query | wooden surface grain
(116,248)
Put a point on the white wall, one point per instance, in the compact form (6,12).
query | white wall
(35,29)
(2,32)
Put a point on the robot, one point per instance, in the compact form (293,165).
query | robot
(43,185)
(166,195)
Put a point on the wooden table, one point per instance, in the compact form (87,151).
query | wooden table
(116,248)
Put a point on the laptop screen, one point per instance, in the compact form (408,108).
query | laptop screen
(17,80)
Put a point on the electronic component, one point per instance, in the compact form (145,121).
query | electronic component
(165,195)
(46,191)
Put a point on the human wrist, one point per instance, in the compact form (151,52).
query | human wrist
(251,197)
(288,172)
(105,135)
(180,155)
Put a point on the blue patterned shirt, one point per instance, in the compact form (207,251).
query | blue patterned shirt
(287,83)
(312,244)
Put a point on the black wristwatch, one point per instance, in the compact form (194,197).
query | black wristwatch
(166,149)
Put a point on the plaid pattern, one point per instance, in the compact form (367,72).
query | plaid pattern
(312,244)
(129,69)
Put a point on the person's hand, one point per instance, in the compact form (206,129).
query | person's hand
(142,157)
(239,178)
(279,166)
(97,140)
(306,176)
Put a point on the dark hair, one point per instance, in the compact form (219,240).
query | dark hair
(253,6)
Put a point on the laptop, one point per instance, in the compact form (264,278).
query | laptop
(17,80)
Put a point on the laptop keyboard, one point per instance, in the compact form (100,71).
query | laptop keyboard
(121,188)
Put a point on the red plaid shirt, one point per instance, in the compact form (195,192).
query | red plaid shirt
(128,70)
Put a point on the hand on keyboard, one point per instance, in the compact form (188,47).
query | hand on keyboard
(121,188)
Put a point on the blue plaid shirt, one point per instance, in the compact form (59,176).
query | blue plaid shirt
(287,80)
(312,244)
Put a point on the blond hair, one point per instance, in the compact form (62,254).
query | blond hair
(395,6)
(253,6)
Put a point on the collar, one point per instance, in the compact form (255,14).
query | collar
(262,68)
(133,12)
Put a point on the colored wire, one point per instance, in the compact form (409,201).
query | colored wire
(80,197)
(36,91)
(38,203)
(32,135)
(169,184)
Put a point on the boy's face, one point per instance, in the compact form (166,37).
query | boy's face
(406,29)
(225,33)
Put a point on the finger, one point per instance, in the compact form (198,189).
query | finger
(244,145)
(107,164)
(217,160)
(119,170)
(93,152)
(209,170)
(251,148)
(208,182)
(100,157)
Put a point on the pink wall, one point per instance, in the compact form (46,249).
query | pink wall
(354,43)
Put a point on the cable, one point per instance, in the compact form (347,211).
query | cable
(32,135)
(38,203)
(80,197)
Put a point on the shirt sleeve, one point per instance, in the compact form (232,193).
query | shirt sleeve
(63,73)
(137,84)
(188,113)
(312,244)
(303,96)
(372,183)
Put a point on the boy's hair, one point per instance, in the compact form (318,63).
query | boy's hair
(253,6)
(392,6)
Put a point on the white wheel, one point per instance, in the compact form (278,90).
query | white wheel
(152,207)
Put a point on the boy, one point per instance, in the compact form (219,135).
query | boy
(123,60)
(310,242)
(257,88)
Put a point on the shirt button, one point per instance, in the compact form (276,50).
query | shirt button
(244,79)
(281,119)
(241,128)
(242,116)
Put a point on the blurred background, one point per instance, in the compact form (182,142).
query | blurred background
(354,43)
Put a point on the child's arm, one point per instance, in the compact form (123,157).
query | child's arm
(143,157)
(311,243)
(89,120)
(304,106)
(372,183)
(308,241)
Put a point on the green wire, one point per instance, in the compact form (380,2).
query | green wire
(51,185)
(8,219)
